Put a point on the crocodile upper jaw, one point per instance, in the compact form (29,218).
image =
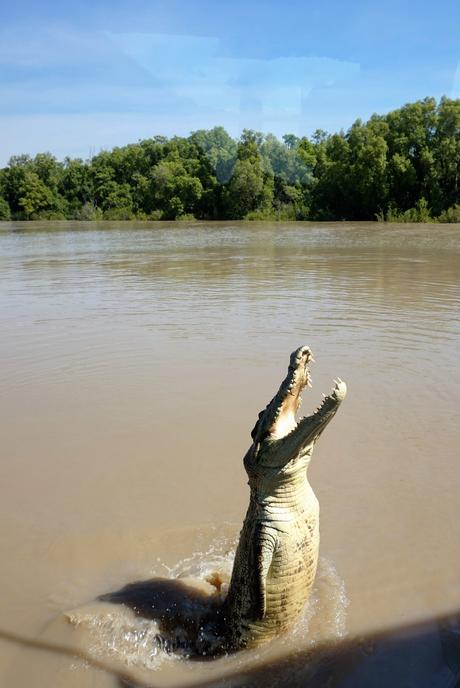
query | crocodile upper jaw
(290,393)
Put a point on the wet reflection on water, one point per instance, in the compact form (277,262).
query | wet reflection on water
(134,360)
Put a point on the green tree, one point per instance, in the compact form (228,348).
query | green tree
(410,137)
(447,154)
(5,213)
(48,169)
(331,198)
(367,175)
(35,198)
(111,194)
(219,148)
(174,190)
(13,179)
(252,184)
(75,186)
(292,163)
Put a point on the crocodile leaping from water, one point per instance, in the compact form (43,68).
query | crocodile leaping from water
(277,554)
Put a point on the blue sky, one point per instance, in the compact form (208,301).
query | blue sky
(76,77)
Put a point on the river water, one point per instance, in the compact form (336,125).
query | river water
(134,359)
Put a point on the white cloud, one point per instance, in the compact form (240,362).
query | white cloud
(193,68)
(69,92)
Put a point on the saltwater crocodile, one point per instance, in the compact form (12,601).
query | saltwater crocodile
(277,554)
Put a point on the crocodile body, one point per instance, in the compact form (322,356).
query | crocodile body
(277,554)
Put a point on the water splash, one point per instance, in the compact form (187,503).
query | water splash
(116,632)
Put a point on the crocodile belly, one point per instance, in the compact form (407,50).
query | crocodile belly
(289,580)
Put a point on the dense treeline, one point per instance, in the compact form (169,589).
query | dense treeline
(401,166)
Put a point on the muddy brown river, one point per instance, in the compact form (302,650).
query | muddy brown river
(134,359)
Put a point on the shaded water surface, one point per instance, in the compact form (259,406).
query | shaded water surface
(133,362)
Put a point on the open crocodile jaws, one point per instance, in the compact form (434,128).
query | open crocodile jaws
(277,554)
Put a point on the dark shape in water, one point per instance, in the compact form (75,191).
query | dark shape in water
(189,619)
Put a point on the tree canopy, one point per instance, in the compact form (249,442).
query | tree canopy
(403,166)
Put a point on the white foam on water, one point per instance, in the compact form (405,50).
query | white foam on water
(121,635)
(115,632)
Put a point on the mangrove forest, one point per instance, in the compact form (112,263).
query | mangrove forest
(402,166)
